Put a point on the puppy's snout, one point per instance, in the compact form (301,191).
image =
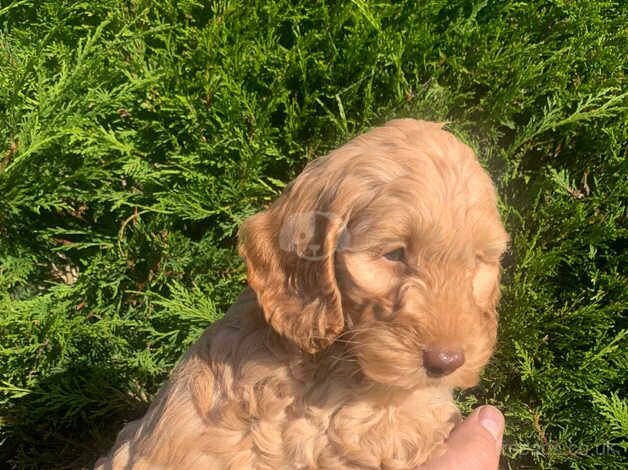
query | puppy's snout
(440,360)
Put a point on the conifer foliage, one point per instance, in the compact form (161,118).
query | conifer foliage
(135,136)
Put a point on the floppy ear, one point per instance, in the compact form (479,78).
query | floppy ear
(495,240)
(289,253)
(486,286)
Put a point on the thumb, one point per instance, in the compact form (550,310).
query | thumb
(475,444)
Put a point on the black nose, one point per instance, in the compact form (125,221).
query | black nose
(440,360)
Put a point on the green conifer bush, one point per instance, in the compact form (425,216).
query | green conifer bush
(135,137)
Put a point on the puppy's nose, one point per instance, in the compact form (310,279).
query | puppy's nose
(440,360)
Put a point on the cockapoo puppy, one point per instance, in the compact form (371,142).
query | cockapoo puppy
(374,280)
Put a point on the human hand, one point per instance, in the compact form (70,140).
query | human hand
(475,444)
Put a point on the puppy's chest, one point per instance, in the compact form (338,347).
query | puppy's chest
(336,428)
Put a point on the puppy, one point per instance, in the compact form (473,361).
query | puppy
(374,281)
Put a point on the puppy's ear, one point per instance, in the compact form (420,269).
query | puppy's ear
(289,253)
(486,280)
(486,286)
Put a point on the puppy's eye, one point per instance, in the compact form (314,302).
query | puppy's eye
(396,255)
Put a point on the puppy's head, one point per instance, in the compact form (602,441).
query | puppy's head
(391,242)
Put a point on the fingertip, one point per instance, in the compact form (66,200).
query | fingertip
(492,420)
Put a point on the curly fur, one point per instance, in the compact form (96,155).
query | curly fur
(319,364)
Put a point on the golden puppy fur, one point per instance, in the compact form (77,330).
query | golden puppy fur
(373,282)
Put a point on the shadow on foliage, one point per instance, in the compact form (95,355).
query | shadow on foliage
(69,417)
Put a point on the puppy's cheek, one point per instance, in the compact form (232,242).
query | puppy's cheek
(402,374)
(385,359)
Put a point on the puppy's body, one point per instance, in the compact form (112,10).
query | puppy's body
(242,398)
(374,284)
